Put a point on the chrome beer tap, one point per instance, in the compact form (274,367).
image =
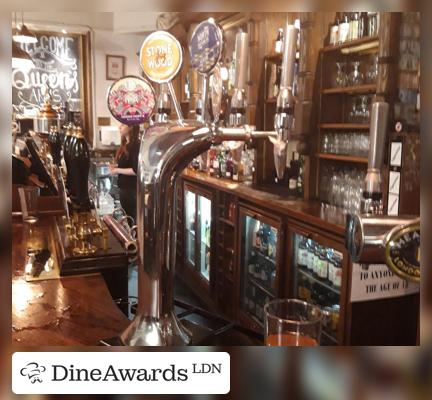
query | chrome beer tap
(238,101)
(371,236)
(284,117)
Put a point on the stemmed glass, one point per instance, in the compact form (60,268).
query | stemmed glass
(355,76)
(372,73)
(341,76)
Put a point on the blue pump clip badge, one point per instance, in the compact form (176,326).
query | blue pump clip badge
(205,47)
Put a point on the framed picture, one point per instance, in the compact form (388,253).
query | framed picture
(115,67)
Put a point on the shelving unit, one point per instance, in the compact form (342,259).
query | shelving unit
(334,102)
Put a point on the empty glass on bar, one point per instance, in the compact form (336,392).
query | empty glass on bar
(292,322)
(28,196)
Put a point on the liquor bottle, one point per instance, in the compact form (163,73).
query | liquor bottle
(294,169)
(316,252)
(235,171)
(331,265)
(363,25)
(337,276)
(210,160)
(300,177)
(354,27)
(229,165)
(302,253)
(344,29)
(265,233)
(323,264)
(310,261)
(216,164)
(222,164)
(334,27)
(279,41)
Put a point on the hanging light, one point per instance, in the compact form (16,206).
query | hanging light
(22,34)
(20,58)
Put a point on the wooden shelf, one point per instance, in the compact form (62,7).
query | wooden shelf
(369,88)
(320,281)
(343,126)
(351,43)
(267,258)
(262,287)
(339,157)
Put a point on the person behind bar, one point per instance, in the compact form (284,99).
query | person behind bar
(127,164)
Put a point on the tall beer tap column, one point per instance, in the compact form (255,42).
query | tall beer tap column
(372,191)
(284,118)
(238,100)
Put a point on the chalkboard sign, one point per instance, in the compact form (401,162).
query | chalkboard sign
(62,62)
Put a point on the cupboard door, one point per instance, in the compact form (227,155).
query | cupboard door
(319,270)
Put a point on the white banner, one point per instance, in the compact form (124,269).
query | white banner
(378,282)
(120,373)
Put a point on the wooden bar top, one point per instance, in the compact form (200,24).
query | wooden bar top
(76,310)
(311,212)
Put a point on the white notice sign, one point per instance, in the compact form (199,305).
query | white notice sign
(378,282)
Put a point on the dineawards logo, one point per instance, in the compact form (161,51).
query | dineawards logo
(33,371)
(121,372)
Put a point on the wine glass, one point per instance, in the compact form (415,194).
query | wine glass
(356,76)
(340,77)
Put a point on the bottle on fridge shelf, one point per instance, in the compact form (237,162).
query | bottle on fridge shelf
(302,252)
(331,265)
(337,274)
(316,260)
(323,264)
(311,256)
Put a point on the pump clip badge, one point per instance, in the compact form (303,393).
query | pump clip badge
(205,46)
(402,251)
(161,56)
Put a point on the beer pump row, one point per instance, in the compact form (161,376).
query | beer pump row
(167,147)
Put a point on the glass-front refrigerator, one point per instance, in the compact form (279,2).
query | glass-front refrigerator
(259,271)
(198,227)
(318,265)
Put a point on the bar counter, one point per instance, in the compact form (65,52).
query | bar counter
(73,310)
(311,212)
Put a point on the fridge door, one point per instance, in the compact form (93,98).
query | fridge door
(204,232)
(257,266)
(317,270)
(190,226)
